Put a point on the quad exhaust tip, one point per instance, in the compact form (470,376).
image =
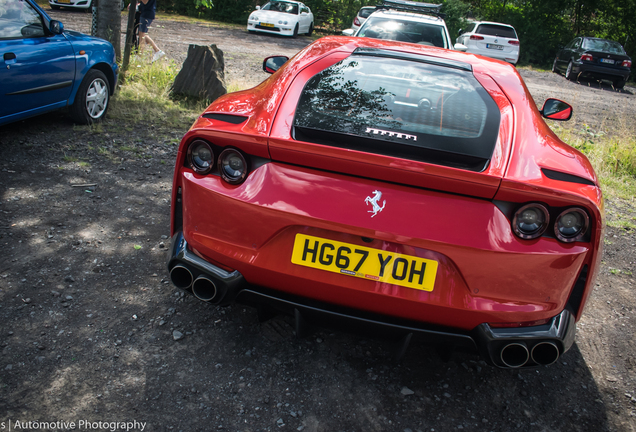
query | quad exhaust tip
(204,289)
(181,277)
(515,355)
(545,353)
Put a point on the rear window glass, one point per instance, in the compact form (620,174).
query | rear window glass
(603,46)
(400,107)
(365,12)
(496,30)
(423,33)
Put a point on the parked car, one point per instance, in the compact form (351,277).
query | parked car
(491,39)
(401,187)
(287,18)
(596,58)
(407,21)
(86,5)
(361,17)
(45,67)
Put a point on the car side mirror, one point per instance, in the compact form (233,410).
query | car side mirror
(258,7)
(56,27)
(555,109)
(348,32)
(459,32)
(460,47)
(273,63)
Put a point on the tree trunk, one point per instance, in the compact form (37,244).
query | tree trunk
(132,7)
(108,23)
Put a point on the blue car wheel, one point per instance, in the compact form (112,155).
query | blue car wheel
(91,101)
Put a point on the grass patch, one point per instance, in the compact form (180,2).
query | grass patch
(144,96)
(612,156)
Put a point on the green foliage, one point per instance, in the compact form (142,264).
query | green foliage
(546,25)
(613,156)
(456,12)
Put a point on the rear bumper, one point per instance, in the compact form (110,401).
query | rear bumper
(84,4)
(281,30)
(502,347)
(601,72)
(483,275)
(507,56)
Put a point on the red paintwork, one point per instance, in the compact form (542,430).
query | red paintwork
(486,273)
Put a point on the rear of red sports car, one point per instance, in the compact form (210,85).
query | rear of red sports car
(403,188)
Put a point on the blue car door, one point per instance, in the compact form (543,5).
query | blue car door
(37,68)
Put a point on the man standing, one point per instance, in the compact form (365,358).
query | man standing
(147,15)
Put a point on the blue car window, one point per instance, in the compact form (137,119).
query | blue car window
(18,19)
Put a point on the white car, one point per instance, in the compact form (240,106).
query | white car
(361,17)
(77,4)
(491,39)
(287,18)
(407,21)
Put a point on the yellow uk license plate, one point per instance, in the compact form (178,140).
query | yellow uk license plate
(267,24)
(363,262)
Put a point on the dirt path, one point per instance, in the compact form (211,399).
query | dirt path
(91,330)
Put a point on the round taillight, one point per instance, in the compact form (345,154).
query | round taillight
(571,225)
(530,221)
(200,156)
(232,166)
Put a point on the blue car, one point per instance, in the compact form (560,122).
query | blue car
(44,67)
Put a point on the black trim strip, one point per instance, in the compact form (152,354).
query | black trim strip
(561,176)
(228,118)
(376,52)
(43,88)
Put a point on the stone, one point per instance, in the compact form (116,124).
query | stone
(407,391)
(202,75)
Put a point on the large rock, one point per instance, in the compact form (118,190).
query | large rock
(202,75)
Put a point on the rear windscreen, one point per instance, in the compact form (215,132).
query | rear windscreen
(496,30)
(365,12)
(394,106)
(424,33)
(603,46)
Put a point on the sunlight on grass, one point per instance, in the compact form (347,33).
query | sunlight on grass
(614,160)
(144,95)
(613,156)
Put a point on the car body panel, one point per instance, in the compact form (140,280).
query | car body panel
(77,4)
(42,73)
(282,23)
(460,219)
(361,17)
(41,76)
(605,64)
(491,43)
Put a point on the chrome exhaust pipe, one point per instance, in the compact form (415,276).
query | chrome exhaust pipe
(545,353)
(204,289)
(181,277)
(515,355)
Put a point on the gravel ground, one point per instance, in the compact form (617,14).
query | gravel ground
(91,330)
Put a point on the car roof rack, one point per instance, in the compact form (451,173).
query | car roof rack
(412,6)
